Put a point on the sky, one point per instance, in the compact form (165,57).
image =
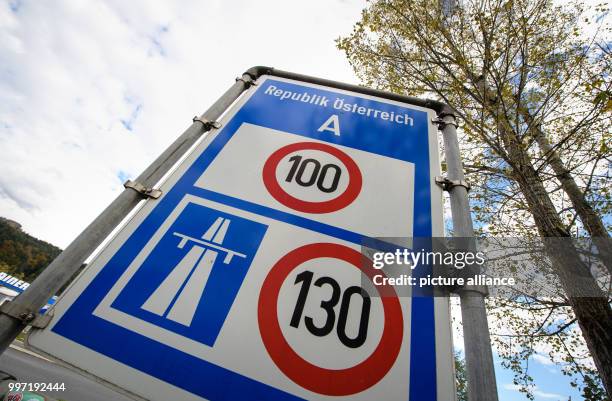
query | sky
(91,92)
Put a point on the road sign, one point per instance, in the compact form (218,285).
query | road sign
(11,286)
(339,198)
(244,279)
(308,375)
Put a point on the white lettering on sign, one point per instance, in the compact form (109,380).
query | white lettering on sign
(332,124)
(297,96)
(14,281)
(339,104)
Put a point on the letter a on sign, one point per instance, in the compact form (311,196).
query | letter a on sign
(332,124)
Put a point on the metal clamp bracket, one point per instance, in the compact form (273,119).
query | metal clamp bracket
(142,190)
(25,315)
(448,185)
(441,123)
(248,82)
(207,123)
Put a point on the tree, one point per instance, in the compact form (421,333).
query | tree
(460,378)
(23,255)
(534,95)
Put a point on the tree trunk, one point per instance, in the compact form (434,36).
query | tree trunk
(593,313)
(590,219)
(597,332)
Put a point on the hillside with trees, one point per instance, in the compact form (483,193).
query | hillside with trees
(21,254)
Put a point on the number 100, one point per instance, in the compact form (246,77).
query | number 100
(318,173)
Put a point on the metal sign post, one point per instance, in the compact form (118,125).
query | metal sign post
(241,274)
(478,352)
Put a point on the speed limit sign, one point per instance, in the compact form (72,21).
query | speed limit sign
(308,374)
(337,182)
(246,279)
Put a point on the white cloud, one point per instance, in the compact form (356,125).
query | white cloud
(91,92)
(544,360)
(539,394)
(510,386)
(543,394)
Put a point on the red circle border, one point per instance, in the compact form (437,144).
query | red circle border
(343,200)
(334,382)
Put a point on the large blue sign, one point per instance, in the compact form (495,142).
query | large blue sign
(184,263)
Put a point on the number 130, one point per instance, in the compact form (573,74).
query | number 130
(328,305)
